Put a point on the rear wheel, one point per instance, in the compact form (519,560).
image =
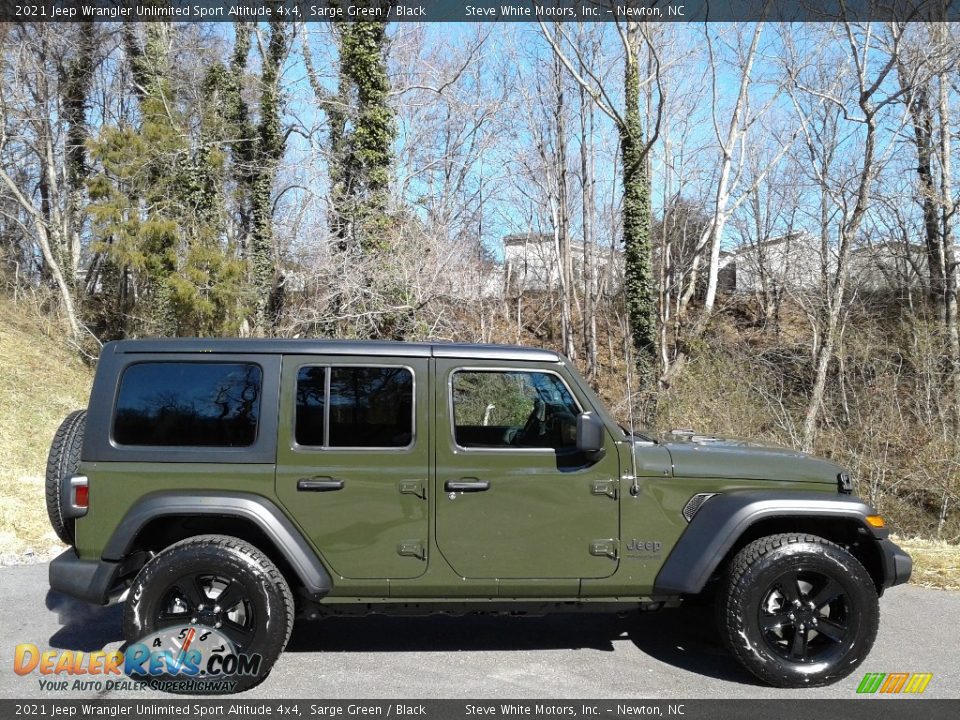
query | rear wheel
(798,610)
(213,594)
(62,462)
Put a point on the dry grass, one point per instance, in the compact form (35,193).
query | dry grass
(935,563)
(43,380)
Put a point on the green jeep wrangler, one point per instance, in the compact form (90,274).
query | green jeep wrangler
(223,485)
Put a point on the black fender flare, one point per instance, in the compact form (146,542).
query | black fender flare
(723,518)
(257,509)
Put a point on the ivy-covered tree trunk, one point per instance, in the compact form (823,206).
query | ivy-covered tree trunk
(241,133)
(362,132)
(268,153)
(639,283)
(75,91)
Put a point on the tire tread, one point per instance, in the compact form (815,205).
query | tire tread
(733,599)
(62,460)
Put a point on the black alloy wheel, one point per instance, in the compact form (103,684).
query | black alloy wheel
(804,616)
(214,601)
(798,610)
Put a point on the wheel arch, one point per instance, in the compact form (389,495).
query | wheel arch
(160,519)
(729,521)
(847,532)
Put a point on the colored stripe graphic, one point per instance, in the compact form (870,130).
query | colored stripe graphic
(871,683)
(918,682)
(893,683)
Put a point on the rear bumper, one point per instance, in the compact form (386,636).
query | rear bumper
(897,565)
(90,580)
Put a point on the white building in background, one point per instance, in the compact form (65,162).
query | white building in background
(891,266)
(531,262)
(792,261)
(795,262)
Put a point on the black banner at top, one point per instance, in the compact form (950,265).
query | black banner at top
(479,10)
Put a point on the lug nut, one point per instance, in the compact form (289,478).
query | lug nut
(193,621)
(218,624)
(216,608)
(792,616)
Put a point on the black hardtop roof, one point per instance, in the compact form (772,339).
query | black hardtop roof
(376,348)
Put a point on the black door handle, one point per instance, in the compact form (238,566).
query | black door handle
(466,485)
(319,484)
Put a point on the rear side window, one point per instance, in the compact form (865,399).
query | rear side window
(189,404)
(363,407)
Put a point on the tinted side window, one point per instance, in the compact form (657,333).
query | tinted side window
(366,407)
(189,404)
(311,405)
(499,409)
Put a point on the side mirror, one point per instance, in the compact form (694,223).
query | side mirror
(589,434)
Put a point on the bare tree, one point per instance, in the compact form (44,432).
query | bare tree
(733,146)
(31,118)
(844,175)
(590,44)
(635,144)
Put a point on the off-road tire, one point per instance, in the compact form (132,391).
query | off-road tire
(63,461)
(761,629)
(221,556)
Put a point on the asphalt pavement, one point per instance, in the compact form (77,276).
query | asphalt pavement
(666,654)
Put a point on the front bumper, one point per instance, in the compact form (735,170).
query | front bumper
(897,565)
(90,580)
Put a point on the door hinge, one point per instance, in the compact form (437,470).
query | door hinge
(412,548)
(414,487)
(610,488)
(605,548)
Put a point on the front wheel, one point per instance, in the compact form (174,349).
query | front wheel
(798,611)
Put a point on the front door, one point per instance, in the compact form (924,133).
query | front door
(515,499)
(353,461)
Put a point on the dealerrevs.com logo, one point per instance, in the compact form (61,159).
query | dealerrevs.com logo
(894,683)
(194,659)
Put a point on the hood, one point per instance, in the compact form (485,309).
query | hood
(710,456)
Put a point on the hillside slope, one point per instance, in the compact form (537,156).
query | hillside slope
(43,380)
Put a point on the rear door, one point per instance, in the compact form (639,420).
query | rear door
(353,461)
(515,499)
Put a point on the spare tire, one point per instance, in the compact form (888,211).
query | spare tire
(62,462)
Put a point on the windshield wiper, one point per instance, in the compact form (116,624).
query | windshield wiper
(638,435)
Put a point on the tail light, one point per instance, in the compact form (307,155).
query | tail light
(80,495)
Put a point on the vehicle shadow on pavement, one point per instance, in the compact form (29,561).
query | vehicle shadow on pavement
(687,638)
(381,633)
(83,626)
